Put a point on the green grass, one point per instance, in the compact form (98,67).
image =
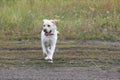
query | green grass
(79,19)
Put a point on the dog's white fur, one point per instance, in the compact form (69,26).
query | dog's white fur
(49,38)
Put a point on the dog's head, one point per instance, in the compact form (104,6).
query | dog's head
(49,26)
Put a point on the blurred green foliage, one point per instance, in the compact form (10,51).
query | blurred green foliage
(79,19)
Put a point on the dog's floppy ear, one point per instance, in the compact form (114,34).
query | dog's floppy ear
(55,21)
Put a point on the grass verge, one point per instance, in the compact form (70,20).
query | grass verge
(28,53)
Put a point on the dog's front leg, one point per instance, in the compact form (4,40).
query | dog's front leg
(44,49)
(51,51)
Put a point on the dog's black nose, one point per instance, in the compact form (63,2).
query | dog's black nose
(45,30)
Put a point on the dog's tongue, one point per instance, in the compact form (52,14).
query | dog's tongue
(46,34)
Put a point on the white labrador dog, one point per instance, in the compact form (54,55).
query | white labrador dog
(49,38)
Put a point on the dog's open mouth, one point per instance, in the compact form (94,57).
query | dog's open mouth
(48,33)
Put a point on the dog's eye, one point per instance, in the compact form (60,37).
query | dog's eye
(48,25)
(43,25)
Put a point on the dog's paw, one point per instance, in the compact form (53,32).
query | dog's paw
(50,61)
(47,58)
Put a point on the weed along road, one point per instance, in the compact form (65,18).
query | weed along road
(73,60)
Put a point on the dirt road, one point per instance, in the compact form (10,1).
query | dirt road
(59,73)
(89,60)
